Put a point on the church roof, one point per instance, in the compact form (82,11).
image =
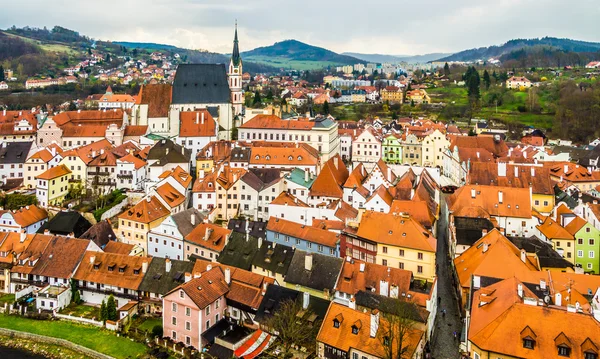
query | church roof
(235,55)
(201,84)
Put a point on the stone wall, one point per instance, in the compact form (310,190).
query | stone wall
(55,341)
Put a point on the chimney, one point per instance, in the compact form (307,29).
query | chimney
(335,162)
(167,151)
(144,267)
(374,322)
(305,300)
(485,247)
(542,284)
(520,290)
(389,173)
(558,299)
(207,233)
(182,150)
(148,199)
(516,172)
(352,303)
(227,276)
(260,240)
(501,169)
(473,192)
(305,175)
(477,154)
(79,111)
(188,277)
(566,168)
(202,118)
(500,197)
(23,236)
(308,261)
(384,288)
(92,259)
(199,274)
(208,267)
(193,219)
(532,172)
(523,256)
(46,232)
(167,265)
(361,267)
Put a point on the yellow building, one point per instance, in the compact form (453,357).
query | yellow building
(433,147)
(214,153)
(52,186)
(562,241)
(418,97)
(401,242)
(391,94)
(136,222)
(78,159)
(36,165)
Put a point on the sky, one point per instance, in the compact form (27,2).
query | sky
(396,27)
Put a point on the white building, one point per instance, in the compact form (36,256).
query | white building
(166,240)
(259,188)
(366,147)
(131,173)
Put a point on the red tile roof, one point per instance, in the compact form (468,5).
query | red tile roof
(395,230)
(301,231)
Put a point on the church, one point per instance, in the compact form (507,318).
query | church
(216,88)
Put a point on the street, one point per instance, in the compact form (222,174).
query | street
(445,345)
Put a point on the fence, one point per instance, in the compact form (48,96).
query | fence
(79,319)
(115,210)
(54,341)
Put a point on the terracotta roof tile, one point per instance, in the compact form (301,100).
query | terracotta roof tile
(309,233)
(145,211)
(197,124)
(209,236)
(395,230)
(516,202)
(54,172)
(274,122)
(111,269)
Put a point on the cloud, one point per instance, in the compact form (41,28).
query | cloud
(385,26)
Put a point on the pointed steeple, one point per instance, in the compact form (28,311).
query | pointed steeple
(109,90)
(235,55)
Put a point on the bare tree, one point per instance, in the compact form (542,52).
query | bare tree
(399,321)
(292,326)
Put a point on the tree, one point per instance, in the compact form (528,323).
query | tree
(472,81)
(72,106)
(486,79)
(257,100)
(157,331)
(446,70)
(103,311)
(111,308)
(269,94)
(1,73)
(107,58)
(290,328)
(399,319)
(326,108)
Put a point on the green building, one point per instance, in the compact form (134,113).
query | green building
(392,149)
(587,245)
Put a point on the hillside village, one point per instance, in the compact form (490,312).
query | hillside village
(245,228)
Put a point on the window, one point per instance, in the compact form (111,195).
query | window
(401,252)
(401,265)
(354,355)
(564,351)
(580,241)
(174,335)
(188,312)
(188,340)
(419,269)
(188,326)
(384,249)
(591,254)
(420,256)
(384,262)
(590,355)
(208,324)
(528,343)
(175,307)
(592,241)
(320,248)
(207,311)
(579,254)
(174,320)
(476,356)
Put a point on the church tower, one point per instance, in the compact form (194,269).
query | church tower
(234,74)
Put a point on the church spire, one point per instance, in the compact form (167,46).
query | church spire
(235,55)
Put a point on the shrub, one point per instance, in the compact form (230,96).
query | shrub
(157,331)
(522,108)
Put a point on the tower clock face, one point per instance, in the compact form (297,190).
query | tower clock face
(235,71)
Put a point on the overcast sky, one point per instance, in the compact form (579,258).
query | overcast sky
(385,26)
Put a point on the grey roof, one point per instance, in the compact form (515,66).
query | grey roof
(66,222)
(257,229)
(547,256)
(183,220)
(100,233)
(389,305)
(274,258)
(323,275)
(276,295)
(14,152)
(239,252)
(158,280)
(166,151)
(201,84)
(575,152)
(323,122)
(240,154)
(260,178)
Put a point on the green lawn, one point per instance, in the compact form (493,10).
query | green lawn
(291,64)
(81,310)
(7,298)
(149,323)
(96,339)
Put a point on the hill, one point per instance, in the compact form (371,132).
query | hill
(145,45)
(381,58)
(293,54)
(546,50)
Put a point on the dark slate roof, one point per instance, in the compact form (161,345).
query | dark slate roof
(274,258)
(239,252)
(259,178)
(220,352)
(240,154)
(201,84)
(324,274)
(11,183)
(275,295)
(166,151)
(216,330)
(100,233)
(323,122)
(548,257)
(389,305)
(575,153)
(257,229)
(66,222)
(183,220)
(158,280)
(14,152)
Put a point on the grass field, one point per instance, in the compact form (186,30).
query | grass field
(93,338)
(51,47)
(291,64)
(7,298)
(149,323)
(81,310)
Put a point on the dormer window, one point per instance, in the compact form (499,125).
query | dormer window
(338,320)
(528,343)
(590,355)
(564,351)
(336,323)
(354,330)
(96,266)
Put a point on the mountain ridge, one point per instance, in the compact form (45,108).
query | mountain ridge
(381,58)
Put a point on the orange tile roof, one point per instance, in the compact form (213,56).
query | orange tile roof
(288,199)
(34,251)
(574,173)
(44,154)
(205,289)
(485,173)
(552,230)
(171,196)
(356,177)
(105,268)
(497,148)
(575,225)
(179,174)
(198,123)
(118,247)
(516,202)
(416,209)
(29,215)
(106,159)
(383,193)
(89,117)
(87,130)
(306,232)
(395,230)
(218,236)
(274,122)
(331,178)
(282,156)
(479,261)
(352,279)
(54,172)
(217,151)
(137,162)
(146,211)
(158,97)
(88,152)
(136,131)
(10,243)
(343,339)
(61,256)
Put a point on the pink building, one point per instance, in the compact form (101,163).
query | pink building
(193,307)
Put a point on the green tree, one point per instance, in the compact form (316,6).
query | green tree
(446,70)
(1,73)
(270,94)
(257,100)
(111,308)
(72,106)
(486,79)
(103,311)
(396,328)
(107,58)
(90,51)
(472,81)
(326,108)
(157,331)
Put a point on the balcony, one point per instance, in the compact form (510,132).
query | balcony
(125,175)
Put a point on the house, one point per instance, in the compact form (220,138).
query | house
(593,65)
(212,155)
(192,308)
(466,149)
(349,333)
(219,190)
(18,126)
(100,233)
(196,130)
(303,237)
(173,199)
(152,107)
(586,244)
(166,155)
(206,241)
(28,219)
(570,174)
(327,186)
(314,273)
(13,156)
(517,82)
(299,183)
(66,223)
(433,147)
(240,250)
(78,159)
(562,241)
(131,172)
(136,222)
(391,149)
(39,162)
(102,274)
(321,133)
(12,245)
(166,239)
(391,94)
(52,186)
(417,97)
(284,158)
(102,173)
(273,261)
(111,100)
(366,147)
(258,188)
(163,276)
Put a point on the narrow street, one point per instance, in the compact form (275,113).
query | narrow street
(444,345)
